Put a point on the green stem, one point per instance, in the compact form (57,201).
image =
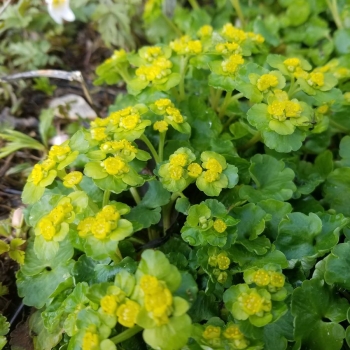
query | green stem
(236,5)
(162,136)
(126,334)
(172,25)
(339,126)
(166,211)
(194,4)
(225,104)
(215,97)
(106,195)
(183,66)
(135,194)
(256,138)
(333,7)
(146,140)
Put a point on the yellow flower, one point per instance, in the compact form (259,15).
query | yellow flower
(152,53)
(267,81)
(84,227)
(225,48)
(194,47)
(219,226)
(211,176)
(231,65)
(109,304)
(300,73)
(149,284)
(222,277)
(276,109)
(163,103)
(292,109)
(174,115)
(261,278)
(98,134)
(59,213)
(37,174)
(316,79)
(233,33)
(90,341)
(179,159)
(130,122)
(251,303)
(205,31)
(115,166)
(47,229)
(276,279)
(292,63)
(176,172)
(72,179)
(59,153)
(101,228)
(108,212)
(194,170)
(233,332)
(213,165)
(323,109)
(161,126)
(127,313)
(211,332)
(223,261)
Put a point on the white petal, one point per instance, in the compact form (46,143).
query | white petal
(60,12)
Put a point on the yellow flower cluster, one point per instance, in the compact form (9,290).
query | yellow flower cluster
(41,171)
(252,303)
(178,162)
(59,153)
(205,31)
(91,341)
(152,53)
(316,79)
(292,64)
(118,56)
(214,169)
(118,305)
(127,119)
(72,179)
(221,262)
(186,46)
(232,332)
(158,299)
(263,278)
(122,147)
(161,126)
(159,69)
(281,110)
(115,166)
(50,225)
(228,48)
(101,225)
(230,65)
(234,34)
(267,81)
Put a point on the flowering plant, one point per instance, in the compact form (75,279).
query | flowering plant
(208,210)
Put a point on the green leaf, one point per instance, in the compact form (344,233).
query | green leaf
(344,152)
(45,125)
(337,190)
(337,266)
(342,41)
(298,235)
(32,193)
(4,325)
(34,264)
(36,290)
(4,247)
(316,318)
(144,216)
(252,224)
(204,307)
(277,334)
(156,195)
(272,180)
(284,143)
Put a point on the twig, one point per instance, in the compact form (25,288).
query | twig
(52,73)
(4,6)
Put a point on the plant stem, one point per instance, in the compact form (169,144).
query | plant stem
(256,138)
(333,7)
(194,4)
(126,334)
(162,136)
(166,211)
(183,66)
(236,5)
(135,194)
(146,140)
(106,195)
(172,25)
(225,104)
(215,97)
(339,126)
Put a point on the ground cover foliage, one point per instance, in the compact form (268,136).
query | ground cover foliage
(209,208)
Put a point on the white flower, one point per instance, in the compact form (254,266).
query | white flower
(59,10)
